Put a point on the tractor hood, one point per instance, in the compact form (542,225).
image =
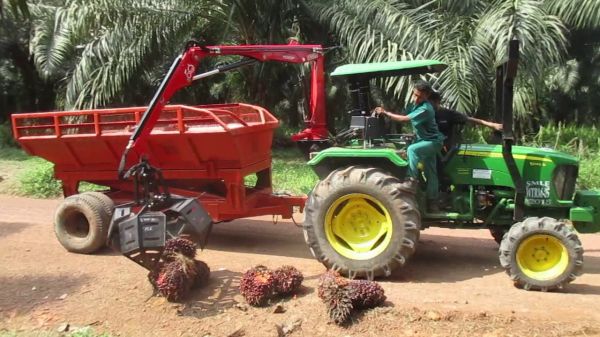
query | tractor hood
(519,153)
(388,69)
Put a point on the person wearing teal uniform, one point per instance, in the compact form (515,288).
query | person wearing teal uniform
(428,142)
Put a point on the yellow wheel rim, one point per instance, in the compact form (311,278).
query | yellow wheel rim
(358,226)
(542,257)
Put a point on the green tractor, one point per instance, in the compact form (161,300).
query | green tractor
(360,222)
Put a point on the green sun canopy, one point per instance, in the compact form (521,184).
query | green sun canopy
(383,69)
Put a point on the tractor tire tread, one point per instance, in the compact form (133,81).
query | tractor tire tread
(401,206)
(544,225)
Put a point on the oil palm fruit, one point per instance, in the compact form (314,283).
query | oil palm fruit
(366,294)
(257,285)
(335,293)
(202,274)
(287,280)
(181,246)
(172,281)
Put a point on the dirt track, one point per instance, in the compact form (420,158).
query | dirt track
(453,286)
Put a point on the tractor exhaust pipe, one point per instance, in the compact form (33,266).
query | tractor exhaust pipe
(505,79)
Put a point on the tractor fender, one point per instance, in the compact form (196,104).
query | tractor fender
(328,160)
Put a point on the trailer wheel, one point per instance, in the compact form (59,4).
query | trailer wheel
(79,225)
(359,223)
(101,200)
(541,254)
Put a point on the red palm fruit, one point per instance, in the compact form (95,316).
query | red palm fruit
(257,285)
(287,280)
(366,294)
(181,246)
(172,281)
(202,274)
(335,293)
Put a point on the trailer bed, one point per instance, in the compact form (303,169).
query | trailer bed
(203,151)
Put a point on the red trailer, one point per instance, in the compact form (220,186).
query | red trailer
(203,152)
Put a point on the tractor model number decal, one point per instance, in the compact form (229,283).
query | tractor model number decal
(482,174)
(538,192)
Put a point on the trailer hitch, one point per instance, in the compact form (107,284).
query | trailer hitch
(139,229)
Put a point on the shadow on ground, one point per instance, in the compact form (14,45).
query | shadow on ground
(450,259)
(259,237)
(20,295)
(215,297)
(9,228)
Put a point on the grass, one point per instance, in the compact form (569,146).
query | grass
(24,175)
(290,172)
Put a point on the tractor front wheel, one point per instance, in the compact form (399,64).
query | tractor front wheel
(360,223)
(541,254)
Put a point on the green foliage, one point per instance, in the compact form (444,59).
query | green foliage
(84,186)
(13,154)
(290,172)
(37,179)
(282,135)
(471,36)
(578,140)
(589,172)
(6,137)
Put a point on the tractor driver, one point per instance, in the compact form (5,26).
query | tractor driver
(448,120)
(427,145)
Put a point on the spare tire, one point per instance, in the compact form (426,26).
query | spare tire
(80,224)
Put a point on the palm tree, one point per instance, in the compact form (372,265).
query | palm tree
(470,35)
(96,49)
(21,88)
(99,50)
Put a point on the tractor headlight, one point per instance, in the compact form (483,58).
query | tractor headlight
(564,181)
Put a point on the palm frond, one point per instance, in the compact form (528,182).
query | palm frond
(581,14)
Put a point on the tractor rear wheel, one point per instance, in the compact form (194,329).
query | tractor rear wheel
(541,254)
(80,225)
(360,223)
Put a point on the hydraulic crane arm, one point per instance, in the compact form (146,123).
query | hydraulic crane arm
(183,72)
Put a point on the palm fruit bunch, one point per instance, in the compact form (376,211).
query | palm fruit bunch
(202,274)
(178,272)
(342,296)
(173,280)
(366,294)
(287,280)
(182,246)
(257,285)
(334,291)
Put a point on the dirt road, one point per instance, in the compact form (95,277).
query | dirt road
(454,286)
